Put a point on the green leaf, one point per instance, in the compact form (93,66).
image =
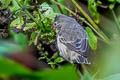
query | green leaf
(112,5)
(30,26)
(5,3)
(59,60)
(8,47)
(10,68)
(63,3)
(51,63)
(111,0)
(14,6)
(55,55)
(48,11)
(92,39)
(21,39)
(54,6)
(92,6)
(32,37)
(64,73)
(113,77)
(118,1)
(17,22)
(87,76)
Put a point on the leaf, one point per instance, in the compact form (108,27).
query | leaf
(54,6)
(27,2)
(59,60)
(51,63)
(10,68)
(64,73)
(92,6)
(92,39)
(30,26)
(55,55)
(8,47)
(48,11)
(32,37)
(118,1)
(21,39)
(63,3)
(5,3)
(45,7)
(17,22)
(113,77)
(14,6)
(111,0)
(112,5)
(87,76)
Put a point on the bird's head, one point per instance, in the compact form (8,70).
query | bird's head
(60,21)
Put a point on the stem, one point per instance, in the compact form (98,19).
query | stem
(64,7)
(116,20)
(28,13)
(59,8)
(86,16)
(95,27)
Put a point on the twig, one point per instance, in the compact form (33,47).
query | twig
(94,27)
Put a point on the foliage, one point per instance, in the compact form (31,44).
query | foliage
(21,39)
(8,47)
(87,76)
(17,70)
(113,2)
(44,17)
(91,38)
(113,77)
(14,69)
(5,3)
(92,6)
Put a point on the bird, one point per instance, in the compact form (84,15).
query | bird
(72,39)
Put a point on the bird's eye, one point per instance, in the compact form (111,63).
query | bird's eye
(55,23)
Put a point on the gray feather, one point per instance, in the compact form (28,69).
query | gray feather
(72,40)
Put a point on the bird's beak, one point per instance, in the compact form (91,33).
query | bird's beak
(52,27)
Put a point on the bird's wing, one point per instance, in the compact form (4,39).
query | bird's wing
(77,50)
(79,45)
